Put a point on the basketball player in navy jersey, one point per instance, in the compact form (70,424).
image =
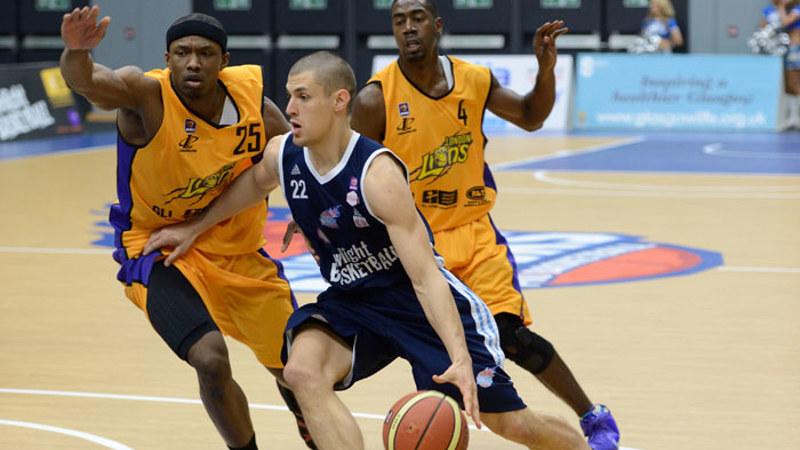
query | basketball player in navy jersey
(456,193)
(390,296)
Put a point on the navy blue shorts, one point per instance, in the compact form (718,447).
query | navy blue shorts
(386,323)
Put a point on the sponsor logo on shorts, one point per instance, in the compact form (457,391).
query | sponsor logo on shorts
(485,377)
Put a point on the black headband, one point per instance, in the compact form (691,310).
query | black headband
(198,25)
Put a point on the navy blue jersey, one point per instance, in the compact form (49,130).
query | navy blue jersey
(353,245)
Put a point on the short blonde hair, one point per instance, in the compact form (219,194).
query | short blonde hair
(666,7)
(329,69)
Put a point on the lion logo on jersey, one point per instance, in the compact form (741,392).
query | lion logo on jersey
(199,187)
(436,164)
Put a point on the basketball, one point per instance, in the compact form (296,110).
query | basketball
(425,420)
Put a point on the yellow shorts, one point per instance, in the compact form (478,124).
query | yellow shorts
(478,254)
(244,294)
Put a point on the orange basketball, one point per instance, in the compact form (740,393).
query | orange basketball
(425,420)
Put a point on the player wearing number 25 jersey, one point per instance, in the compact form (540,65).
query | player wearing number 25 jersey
(178,173)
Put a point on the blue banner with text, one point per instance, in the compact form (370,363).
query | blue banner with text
(675,91)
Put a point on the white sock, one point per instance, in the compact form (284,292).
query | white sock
(793,103)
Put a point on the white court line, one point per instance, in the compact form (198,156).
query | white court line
(648,190)
(598,193)
(716,150)
(78,434)
(545,177)
(179,400)
(52,250)
(760,269)
(566,153)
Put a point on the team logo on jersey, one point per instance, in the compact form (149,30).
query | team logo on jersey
(436,164)
(328,217)
(476,196)
(403,109)
(405,126)
(485,377)
(351,198)
(187,143)
(199,187)
(190,126)
(358,220)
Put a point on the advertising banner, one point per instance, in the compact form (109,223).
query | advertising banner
(680,92)
(518,73)
(35,102)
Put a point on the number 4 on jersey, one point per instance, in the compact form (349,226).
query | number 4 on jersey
(462,113)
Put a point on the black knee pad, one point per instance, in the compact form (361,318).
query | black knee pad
(176,310)
(521,345)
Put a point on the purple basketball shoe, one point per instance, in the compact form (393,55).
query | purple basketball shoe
(600,428)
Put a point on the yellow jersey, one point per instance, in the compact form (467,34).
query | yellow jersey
(441,141)
(186,165)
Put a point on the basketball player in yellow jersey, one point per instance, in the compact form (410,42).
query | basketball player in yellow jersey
(429,110)
(185,133)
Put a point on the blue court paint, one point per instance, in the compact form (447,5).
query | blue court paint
(35,147)
(717,153)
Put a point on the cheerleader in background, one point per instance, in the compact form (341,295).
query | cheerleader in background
(785,15)
(660,21)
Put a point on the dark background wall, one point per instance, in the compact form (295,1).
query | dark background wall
(274,33)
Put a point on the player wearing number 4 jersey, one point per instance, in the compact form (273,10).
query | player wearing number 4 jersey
(185,133)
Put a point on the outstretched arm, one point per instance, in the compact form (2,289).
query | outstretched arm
(249,188)
(530,111)
(387,192)
(103,87)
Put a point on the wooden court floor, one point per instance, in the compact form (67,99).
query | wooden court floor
(706,360)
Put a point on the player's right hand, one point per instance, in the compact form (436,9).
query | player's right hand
(80,29)
(178,237)
(461,375)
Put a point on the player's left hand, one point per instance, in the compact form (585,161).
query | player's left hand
(292,229)
(178,237)
(544,43)
(460,374)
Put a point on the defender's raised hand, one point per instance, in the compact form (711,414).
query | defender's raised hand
(544,43)
(80,29)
